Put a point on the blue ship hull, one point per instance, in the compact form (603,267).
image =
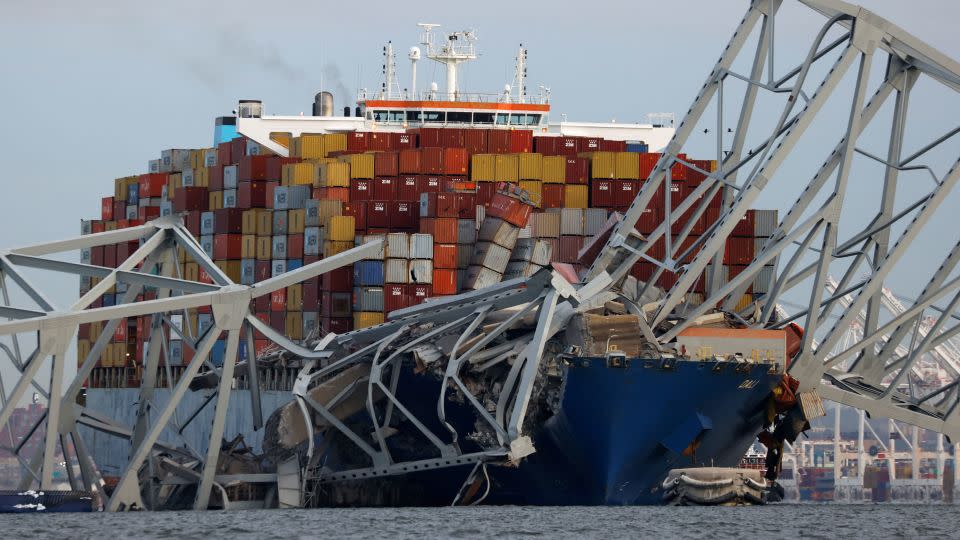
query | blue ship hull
(32,502)
(611,441)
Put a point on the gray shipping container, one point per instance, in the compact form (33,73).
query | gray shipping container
(311,241)
(571,221)
(466,231)
(764,223)
(526,231)
(761,282)
(593,220)
(230,198)
(490,255)
(278,267)
(421,246)
(310,324)
(230,177)
(210,158)
(546,224)
(153,166)
(464,254)
(85,255)
(290,197)
(174,351)
(206,243)
(479,277)
(248,271)
(396,271)
(379,255)
(542,253)
(132,212)
(204,322)
(206,223)
(312,214)
(368,298)
(499,232)
(166,208)
(86,226)
(516,269)
(279,247)
(421,271)
(523,249)
(398,246)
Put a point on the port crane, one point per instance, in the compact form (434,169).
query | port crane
(806,247)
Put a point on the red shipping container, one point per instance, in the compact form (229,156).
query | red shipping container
(444,230)
(521,141)
(407,189)
(678,251)
(552,196)
(430,137)
(215,178)
(746,226)
(395,297)
(567,146)
(227,246)
(106,208)
(275,166)
(570,248)
(546,145)
(384,189)
(578,170)
(120,331)
(261,270)
(378,215)
(238,148)
(361,189)
(228,221)
(451,137)
(110,256)
(624,191)
(428,184)
(151,185)
(335,325)
(455,161)
(295,246)
(648,161)
(125,249)
(485,192)
(409,161)
(588,144)
(191,199)
(96,256)
(97,226)
(380,142)
(613,146)
(278,321)
(475,140)
(253,168)
(255,194)
(338,280)
(386,163)
(601,194)
(358,210)
(739,251)
(225,153)
(147,213)
(466,205)
(679,170)
(509,209)
(262,305)
(431,160)
(444,256)
(418,292)
(357,141)
(192,221)
(667,280)
(336,193)
(498,141)
(311,295)
(444,281)
(404,140)
(278,300)
(119,208)
(403,215)
(439,205)
(649,220)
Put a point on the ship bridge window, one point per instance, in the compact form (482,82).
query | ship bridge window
(482,118)
(413,116)
(517,119)
(379,116)
(458,117)
(433,116)
(502,118)
(395,116)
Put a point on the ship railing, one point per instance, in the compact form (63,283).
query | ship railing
(470,97)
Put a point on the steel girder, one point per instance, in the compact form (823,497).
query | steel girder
(154,264)
(815,236)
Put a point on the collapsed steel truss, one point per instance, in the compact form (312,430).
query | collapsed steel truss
(811,229)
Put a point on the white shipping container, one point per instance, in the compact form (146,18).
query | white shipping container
(398,246)
(479,277)
(132,212)
(593,220)
(421,271)
(421,246)
(210,158)
(230,177)
(229,198)
(571,221)
(86,226)
(526,231)
(499,232)
(542,253)
(366,239)
(490,255)
(546,224)
(166,208)
(396,271)
(187,178)
(153,166)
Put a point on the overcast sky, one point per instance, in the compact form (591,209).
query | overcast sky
(93,90)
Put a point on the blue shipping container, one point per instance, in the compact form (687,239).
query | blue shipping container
(368,273)
(293,264)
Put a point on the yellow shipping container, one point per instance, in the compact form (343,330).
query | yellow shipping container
(713,165)
(106,357)
(83,349)
(334,174)
(340,228)
(366,319)
(361,165)
(298,174)
(576,195)
(283,139)
(602,164)
(627,165)
(231,269)
(264,248)
(483,168)
(554,170)
(332,247)
(293,325)
(96,328)
(531,166)
(508,168)
(201,177)
(334,142)
(264,222)
(249,222)
(121,187)
(329,208)
(191,272)
(175,181)
(743,303)
(198,158)
(534,188)
(308,145)
(295,297)
(216,200)
(296,221)
(248,248)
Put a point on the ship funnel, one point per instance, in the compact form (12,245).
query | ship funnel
(250,108)
(323,104)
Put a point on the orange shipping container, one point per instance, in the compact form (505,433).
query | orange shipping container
(444,281)
(455,161)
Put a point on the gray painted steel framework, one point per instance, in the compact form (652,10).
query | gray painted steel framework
(477,321)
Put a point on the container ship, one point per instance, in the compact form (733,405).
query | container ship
(467,191)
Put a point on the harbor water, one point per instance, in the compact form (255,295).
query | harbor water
(773,521)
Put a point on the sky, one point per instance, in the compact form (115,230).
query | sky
(93,90)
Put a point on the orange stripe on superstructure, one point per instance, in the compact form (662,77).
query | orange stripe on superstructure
(458,105)
(737,333)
